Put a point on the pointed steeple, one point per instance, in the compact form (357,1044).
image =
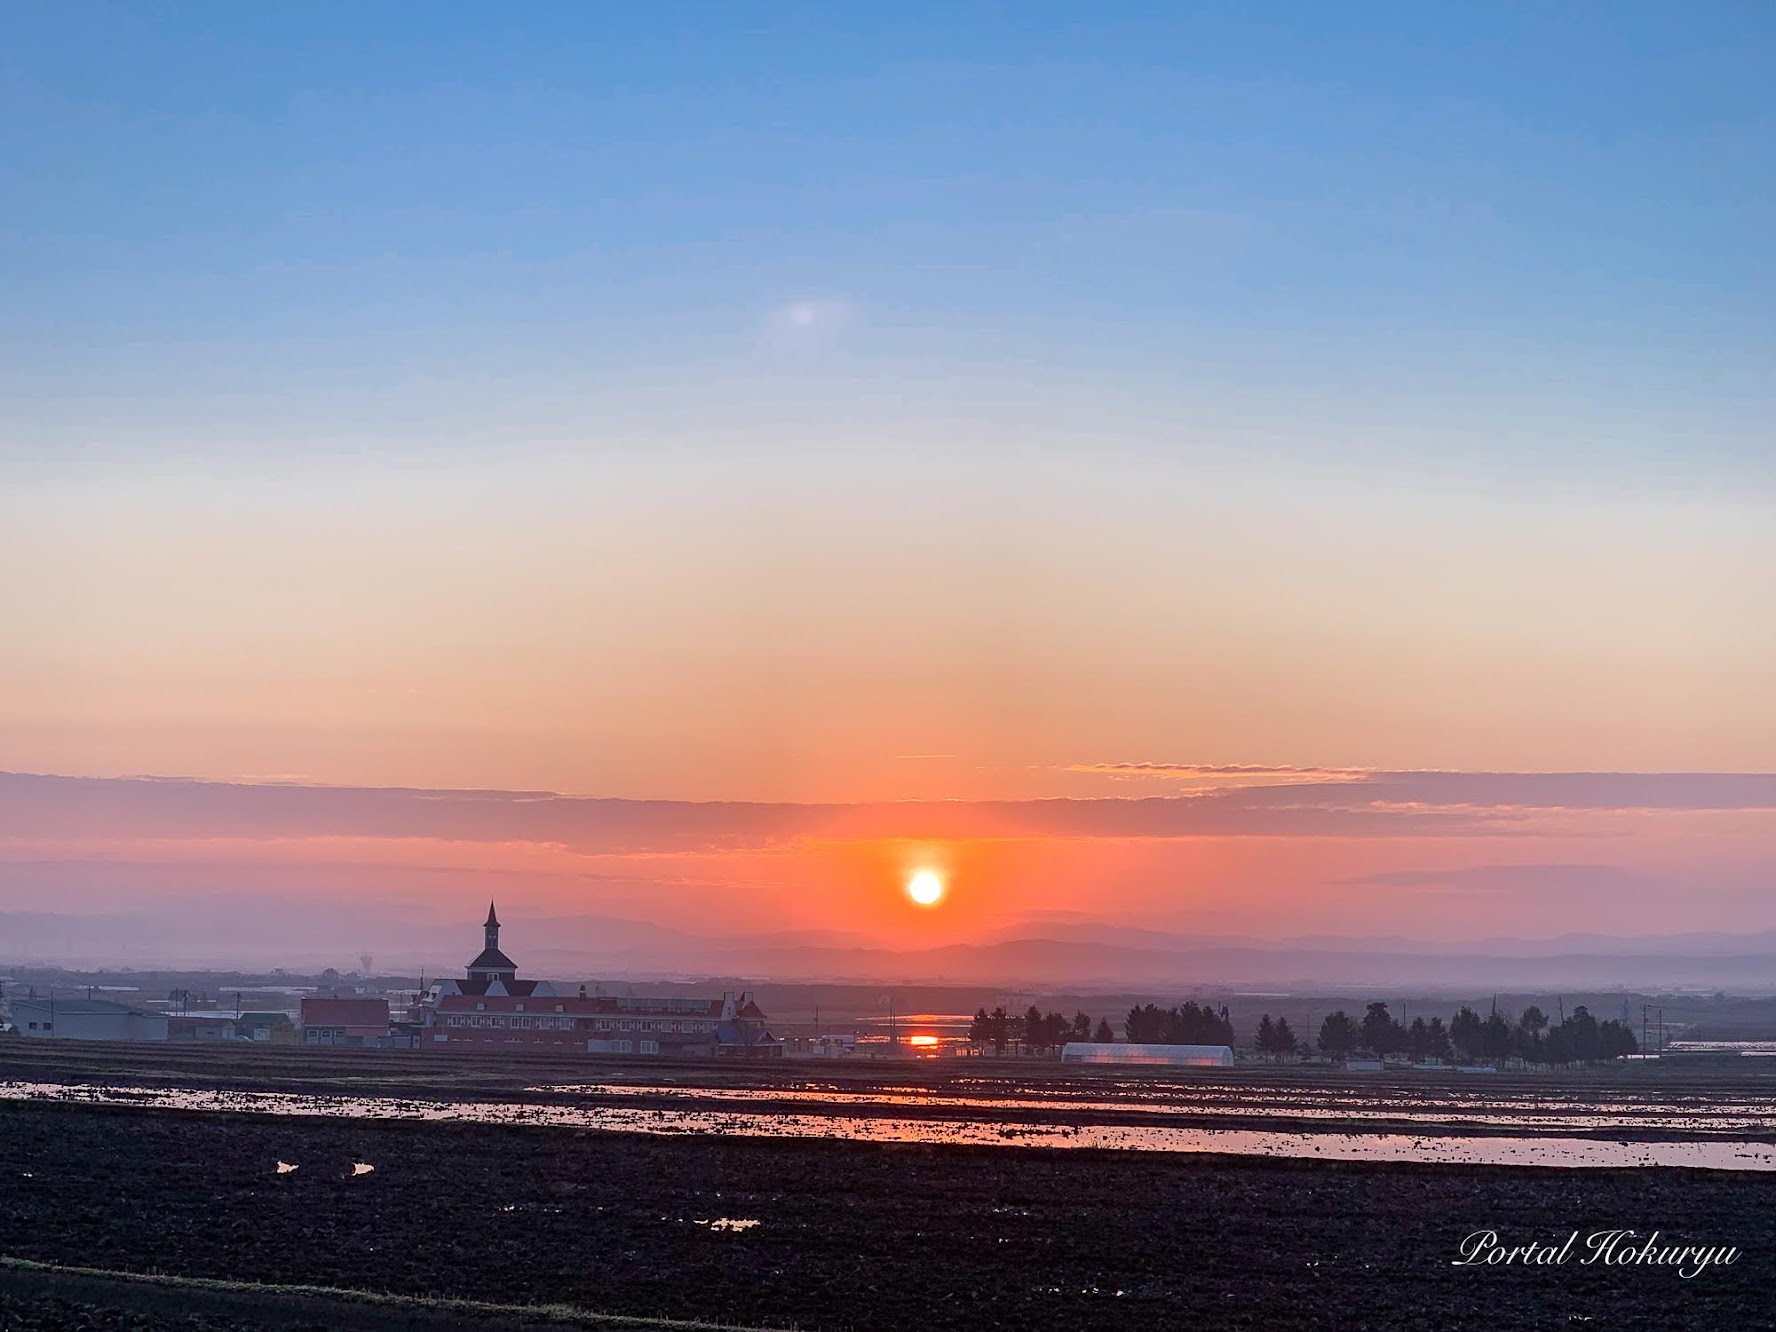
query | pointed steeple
(492,964)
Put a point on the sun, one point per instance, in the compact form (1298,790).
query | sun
(925,888)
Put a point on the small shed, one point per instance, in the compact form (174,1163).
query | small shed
(1122,1052)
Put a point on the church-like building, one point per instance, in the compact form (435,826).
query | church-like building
(491,1006)
(492,972)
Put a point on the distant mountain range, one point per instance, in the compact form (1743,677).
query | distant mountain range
(1027,954)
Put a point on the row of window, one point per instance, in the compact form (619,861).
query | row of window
(645,1024)
(479,1019)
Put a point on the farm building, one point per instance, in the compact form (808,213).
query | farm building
(345,1021)
(200,1026)
(85,1020)
(1177,1056)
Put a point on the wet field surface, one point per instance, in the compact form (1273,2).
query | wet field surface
(892,1196)
(831,1234)
(872,1118)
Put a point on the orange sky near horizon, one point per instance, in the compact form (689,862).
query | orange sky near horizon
(872,627)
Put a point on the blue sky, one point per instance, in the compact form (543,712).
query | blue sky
(772,391)
(835,406)
(1519,235)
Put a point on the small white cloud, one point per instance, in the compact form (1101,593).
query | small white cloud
(809,321)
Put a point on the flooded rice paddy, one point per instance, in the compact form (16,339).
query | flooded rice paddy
(1718,1111)
(1552,1124)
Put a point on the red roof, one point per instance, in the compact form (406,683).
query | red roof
(345,1012)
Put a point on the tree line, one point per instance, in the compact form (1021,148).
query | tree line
(1034,1031)
(1533,1038)
(1577,1039)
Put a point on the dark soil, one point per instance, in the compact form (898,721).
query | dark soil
(860,1236)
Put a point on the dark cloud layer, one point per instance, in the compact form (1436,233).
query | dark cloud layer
(1380,804)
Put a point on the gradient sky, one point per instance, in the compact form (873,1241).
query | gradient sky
(779,404)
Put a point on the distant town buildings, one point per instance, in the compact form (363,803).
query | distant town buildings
(491,1006)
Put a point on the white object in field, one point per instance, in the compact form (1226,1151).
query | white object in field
(362,1168)
(1178,1056)
(285,1167)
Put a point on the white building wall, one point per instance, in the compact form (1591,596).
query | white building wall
(46,1020)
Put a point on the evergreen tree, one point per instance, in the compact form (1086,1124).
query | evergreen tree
(1466,1034)
(1495,1037)
(1438,1034)
(1418,1039)
(1339,1034)
(999,1030)
(1103,1035)
(980,1029)
(1379,1030)
(1286,1044)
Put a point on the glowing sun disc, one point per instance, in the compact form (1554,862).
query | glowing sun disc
(925,888)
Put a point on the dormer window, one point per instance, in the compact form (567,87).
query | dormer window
(480,1008)
(520,1008)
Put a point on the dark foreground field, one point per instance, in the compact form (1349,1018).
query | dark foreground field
(849,1236)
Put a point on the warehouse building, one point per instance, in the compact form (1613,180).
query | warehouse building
(84,1020)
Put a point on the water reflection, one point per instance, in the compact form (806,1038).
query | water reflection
(1539,1150)
(1720,1112)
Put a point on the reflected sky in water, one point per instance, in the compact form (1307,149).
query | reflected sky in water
(1547,1149)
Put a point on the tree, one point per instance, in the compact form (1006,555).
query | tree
(1616,1039)
(1438,1035)
(1339,1034)
(999,1032)
(1286,1044)
(1082,1026)
(1275,1038)
(1495,1036)
(1104,1035)
(1586,1044)
(1466,1034)
(1146,1025)
(980,1029)
(1380,1031)
(1033,1030)
(1418,1040)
